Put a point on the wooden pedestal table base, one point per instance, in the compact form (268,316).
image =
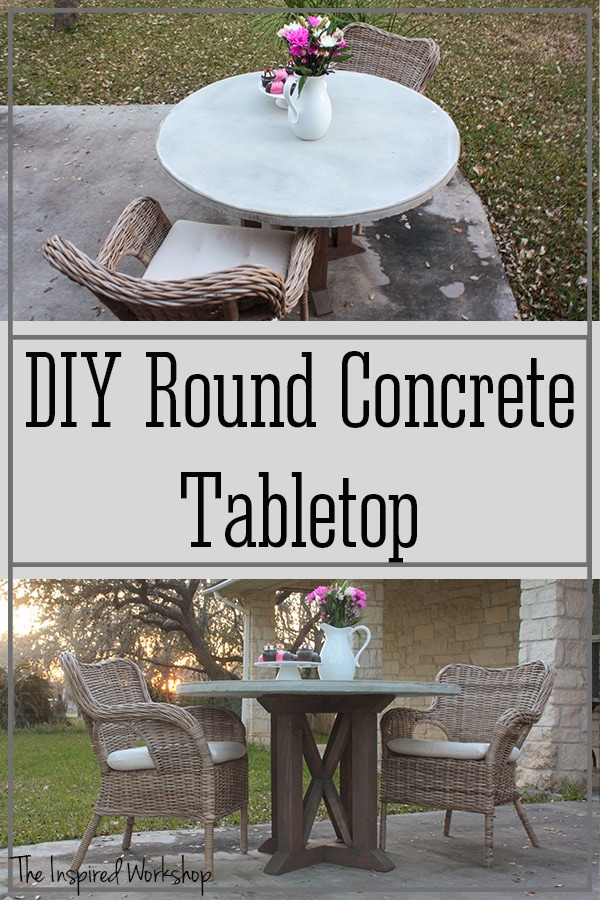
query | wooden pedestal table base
(352,747)
(353,811)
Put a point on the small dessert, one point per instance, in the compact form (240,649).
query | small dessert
(305,653)
(269,653)
(273,80)
(267,78)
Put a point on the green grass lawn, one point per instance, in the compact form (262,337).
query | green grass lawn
(56,780)
(515,85)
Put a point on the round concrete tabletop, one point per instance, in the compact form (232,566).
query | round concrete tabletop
(261,688)
(388,149)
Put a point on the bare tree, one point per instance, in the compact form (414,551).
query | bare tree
(156,620)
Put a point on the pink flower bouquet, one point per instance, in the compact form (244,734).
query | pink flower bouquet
(340,604)
(314,42)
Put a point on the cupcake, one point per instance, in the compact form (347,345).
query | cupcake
(267,78)
(269,653)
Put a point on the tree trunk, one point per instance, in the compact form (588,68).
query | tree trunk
(64,20)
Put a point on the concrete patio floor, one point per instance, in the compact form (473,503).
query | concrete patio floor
(75,168)
(428,864)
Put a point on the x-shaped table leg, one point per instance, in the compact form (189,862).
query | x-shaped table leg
(353,811)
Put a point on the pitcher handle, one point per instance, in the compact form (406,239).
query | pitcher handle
(366,643)
(288,89)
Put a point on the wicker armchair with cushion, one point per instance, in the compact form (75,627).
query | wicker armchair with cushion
(194,270)
(157,759)
(409,61)
(473,768)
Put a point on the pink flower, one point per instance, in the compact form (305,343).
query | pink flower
(319,594)
(360,598)
(297,35)
(298,50)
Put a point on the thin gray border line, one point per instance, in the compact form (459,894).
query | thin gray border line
(590,165)
(589,657)
(306,892)
(589,433)
(302,892)
(278,10)
(9,438)
(297,892)
(589,429)
(300,565)
(363,336)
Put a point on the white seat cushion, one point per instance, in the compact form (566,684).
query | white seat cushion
(225,751)
(444,749)
(139,757)
(192,249)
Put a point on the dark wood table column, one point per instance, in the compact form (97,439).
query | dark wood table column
(353,811)
(332,243)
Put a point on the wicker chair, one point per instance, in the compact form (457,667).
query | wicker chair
(193,762)
(409,61)
(474,769)
(180,281)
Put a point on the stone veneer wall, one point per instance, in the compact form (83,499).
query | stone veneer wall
(554,628)
(372,657)
(431,623)
(261,608)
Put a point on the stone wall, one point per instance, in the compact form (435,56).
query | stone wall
(372,657)
(554,628)
(431,623)
(261,609)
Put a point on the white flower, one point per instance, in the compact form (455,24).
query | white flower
(328,40)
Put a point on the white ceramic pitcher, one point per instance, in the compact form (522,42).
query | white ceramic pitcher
(338,662)
(309,115)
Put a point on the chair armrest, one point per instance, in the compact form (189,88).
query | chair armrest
(167,730)
(139,231)
(128,712)
(226,288)
(218,724)
(301,254)
(510,731)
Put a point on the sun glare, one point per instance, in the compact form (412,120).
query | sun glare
(24,619)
